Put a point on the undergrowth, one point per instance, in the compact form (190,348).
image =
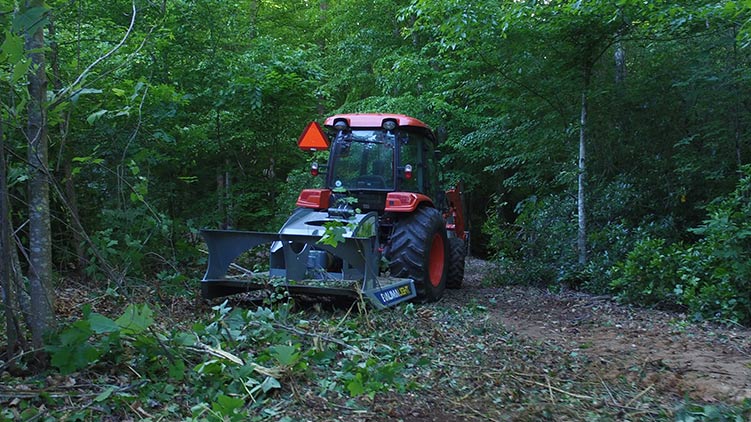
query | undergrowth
(230,367)
(280,361)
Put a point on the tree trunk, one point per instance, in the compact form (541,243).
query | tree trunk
(64,161)
(254,9)
(620,67)
(228,220)
(40,241)
(220,198)
(8,290)
(620,89)
(737,100)
(581,238)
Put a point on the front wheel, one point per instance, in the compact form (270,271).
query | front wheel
(419,250)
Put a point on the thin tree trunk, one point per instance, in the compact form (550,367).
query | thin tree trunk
(40,239)
(254,9)
(737,95)
(65,161)
(220,198)
(581,238)
(229,221)
(613,160)
(8,289)
(620,67)
(323,8)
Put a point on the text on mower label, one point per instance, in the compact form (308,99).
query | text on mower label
(393,294)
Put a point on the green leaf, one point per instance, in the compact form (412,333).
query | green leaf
(73,351)
(284,354)
(12,48)
(269,384)
(29,414)
(77,333)
(104,395)
(333,235)
(84,91)
(177,370)
(19,71)
(185,339)
(163,136)
(30,20)
(135,319)
(355,386)
(93,117)
(72,358)
(101,324)
(226,405)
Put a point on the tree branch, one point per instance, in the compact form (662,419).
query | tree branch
(66,92)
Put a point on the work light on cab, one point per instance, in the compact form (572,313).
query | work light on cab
(388,124)
(341,125)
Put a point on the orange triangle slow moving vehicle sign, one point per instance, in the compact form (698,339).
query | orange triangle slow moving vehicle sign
(313,138)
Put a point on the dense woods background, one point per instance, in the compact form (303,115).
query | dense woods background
(604,145)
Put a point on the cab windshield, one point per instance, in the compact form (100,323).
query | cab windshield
(364,159)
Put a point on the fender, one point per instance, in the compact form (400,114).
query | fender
(317,199)
(405,201)
(456,210)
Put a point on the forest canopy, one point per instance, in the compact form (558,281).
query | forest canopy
(602,145)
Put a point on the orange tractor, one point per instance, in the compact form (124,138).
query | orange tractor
(380,228)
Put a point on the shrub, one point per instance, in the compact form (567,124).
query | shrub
(711,278)
(716,272)
(541,240)
(648,275)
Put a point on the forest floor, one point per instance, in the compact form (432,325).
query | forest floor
(483,352)
(523,353)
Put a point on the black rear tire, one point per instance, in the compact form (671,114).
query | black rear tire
(457,255)
(419,250)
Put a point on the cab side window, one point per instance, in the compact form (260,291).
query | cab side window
(418,151)
(409,155)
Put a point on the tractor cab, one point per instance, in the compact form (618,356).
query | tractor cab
(373,155)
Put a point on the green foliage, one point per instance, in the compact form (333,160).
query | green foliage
(234,363)
(192,122)
(648,274)
(709,277)
(92,338)
(73,351)
(694,412)
(537,240)
(370,376)
(717,269)
(334,232)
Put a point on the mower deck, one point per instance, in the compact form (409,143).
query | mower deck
(299,277)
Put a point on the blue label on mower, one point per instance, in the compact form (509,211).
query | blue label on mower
(392,295)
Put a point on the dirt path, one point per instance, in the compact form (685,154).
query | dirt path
(523,354)
(705,362)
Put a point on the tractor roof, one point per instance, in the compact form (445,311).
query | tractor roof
(374,120)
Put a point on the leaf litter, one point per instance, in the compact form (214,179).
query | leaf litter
(484,352)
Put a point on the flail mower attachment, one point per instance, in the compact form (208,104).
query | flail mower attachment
(345,267)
